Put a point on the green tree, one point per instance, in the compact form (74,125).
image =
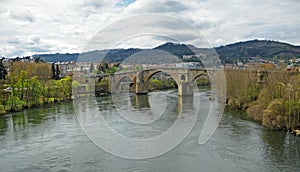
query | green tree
(3,71)
(53,71)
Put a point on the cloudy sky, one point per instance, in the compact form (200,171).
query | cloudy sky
(42,26)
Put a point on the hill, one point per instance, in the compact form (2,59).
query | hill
(177,49)
(265,49)
(241,51)
(57,57)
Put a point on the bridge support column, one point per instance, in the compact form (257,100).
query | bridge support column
(185,103)
(112,86)
(185,89)
(141,86)
(141,101)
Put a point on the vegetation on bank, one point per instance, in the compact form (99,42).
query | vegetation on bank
(272,99)
(156,84)
(32,84)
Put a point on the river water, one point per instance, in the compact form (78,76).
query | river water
(51,139)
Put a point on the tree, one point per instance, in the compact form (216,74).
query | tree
(39,60)
(57,72)
(33,85)
(3,71)
(34,92)
(91,68)
(111,70)
(53,71)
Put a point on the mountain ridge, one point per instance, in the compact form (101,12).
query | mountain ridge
(231,53)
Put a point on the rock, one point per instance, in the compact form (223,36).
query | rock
(296,132)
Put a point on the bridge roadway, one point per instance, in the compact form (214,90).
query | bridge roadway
(184,77)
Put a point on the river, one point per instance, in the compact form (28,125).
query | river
(51,139)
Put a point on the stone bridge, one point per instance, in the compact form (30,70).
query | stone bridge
(184,78)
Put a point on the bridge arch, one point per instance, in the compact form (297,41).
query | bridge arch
(151,74)
(182,78)
(198,76)
(198,73)
(119,80)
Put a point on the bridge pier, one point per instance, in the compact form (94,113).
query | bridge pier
(185,89)
(112,86)
(141,101)
(141,88)
(185,103)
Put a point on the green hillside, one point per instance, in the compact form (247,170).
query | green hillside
(271,50)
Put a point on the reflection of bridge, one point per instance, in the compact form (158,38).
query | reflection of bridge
(183,77)
(142,101)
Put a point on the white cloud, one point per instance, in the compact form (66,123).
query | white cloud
(30,26)
(156,6)
(22,15)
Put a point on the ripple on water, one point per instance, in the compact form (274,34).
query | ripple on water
(57,143)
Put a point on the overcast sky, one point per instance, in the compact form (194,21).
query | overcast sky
(40,26)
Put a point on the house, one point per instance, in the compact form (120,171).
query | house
(295,67)
(187,57)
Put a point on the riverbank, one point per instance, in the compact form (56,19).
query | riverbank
(5,110)
(34,93)
(272,99)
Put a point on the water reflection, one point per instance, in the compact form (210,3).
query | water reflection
(281,148)
(20,122)
(140,101)
(115,129)
(28,118)
(3,124)
(185,103)
(133,112)
(50,138)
